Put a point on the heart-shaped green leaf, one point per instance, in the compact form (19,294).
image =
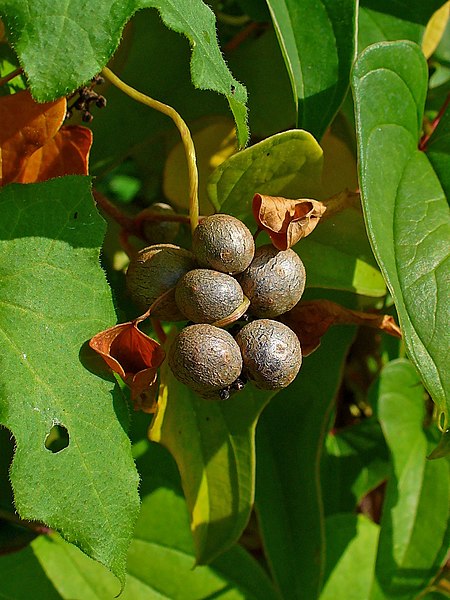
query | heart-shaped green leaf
(54,297)
(406,211)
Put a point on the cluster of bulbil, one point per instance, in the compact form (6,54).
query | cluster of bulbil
(224,282)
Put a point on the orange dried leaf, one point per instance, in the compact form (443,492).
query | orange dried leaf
(67,153)
(26,126)
(311,320)
(131,354)
(286,221)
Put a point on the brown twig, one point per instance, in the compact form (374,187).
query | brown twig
(243,35)
(113,211)
(426,137)
(38,528)
(10,76)
(339,202)
(157,328)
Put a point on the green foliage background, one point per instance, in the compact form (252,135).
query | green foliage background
(303,481)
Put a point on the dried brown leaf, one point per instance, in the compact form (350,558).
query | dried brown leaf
(132,355)
(67,153)
(26,126)
(311,320)
(286,221)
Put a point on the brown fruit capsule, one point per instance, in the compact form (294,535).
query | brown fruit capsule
(271,353)
(160,232)
(274,282)
(153,271)
(206,296)
(223,243)
(206,359)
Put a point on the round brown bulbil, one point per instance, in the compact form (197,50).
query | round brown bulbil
(152,272)
(207,296)
(271,353)
(160,232)
(274,282)
(223,243)
(206,359)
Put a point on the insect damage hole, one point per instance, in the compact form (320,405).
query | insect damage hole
(57,438)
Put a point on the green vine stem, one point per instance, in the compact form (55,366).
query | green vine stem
(184,132)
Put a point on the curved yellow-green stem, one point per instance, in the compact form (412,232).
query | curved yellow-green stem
(186,138)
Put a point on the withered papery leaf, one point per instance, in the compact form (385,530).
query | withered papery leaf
(25,127)
(132,355)
(67,153)
(311,320)
(286,221)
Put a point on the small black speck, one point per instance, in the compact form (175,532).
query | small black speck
(75,215)
(268,154)
(233,89)
(207,418)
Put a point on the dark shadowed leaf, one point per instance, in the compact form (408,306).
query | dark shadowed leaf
(290,438)
(384,20)
(317,39)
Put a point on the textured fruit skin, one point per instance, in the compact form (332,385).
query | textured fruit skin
(206,296)
(153,271)
(160,232)
(206,359)
(274,282)
(223,243)
(271,353)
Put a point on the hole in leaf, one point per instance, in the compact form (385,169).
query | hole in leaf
(57,439)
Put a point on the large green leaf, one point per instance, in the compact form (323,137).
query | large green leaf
(61,46)
(384,20)
(159,563)
(355,461)
(405,208)
(53,298)
(351,550)
(317,38)
(438,151)
(213,445)
(413,537)
(290,439)
(337,254)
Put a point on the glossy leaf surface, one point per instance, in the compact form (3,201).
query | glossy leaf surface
(405,207)
(318,45)
(54,297)
(289,164)
(413,536)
